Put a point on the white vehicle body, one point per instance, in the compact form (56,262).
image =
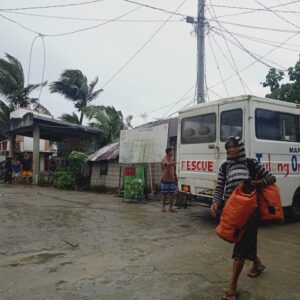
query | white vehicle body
(269,128)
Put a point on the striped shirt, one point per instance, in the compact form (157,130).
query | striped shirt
(234,171)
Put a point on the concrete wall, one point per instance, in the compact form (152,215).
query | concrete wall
(111,180)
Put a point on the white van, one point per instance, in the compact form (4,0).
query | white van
(269,128)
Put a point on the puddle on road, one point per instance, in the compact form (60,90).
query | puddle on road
(93,289)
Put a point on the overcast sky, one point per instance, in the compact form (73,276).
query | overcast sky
(165,70)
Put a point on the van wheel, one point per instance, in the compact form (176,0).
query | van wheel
(296,202)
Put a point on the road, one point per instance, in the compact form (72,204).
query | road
(74,245)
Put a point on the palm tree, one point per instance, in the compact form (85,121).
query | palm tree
(73,85)
(13,89)
(70,118)
(106,118)
(5,111)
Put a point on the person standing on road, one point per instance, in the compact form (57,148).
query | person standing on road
(16,169)
(168,179)
(233,172)
(27,167)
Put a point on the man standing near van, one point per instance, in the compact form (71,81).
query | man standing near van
(168,179)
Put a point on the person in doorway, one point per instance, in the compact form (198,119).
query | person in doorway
(234,171)
(27,167)
(168,179)
(16,169)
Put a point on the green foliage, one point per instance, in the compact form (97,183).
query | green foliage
(65,181)
(76,162)
(70,118)
(12,86)
(73,85)
(289,92)
(106,118)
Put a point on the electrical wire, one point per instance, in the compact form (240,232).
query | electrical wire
(142,47)
(252,10)
(276,14)
(44,62)
(253,63)
(88,19)
(230,53)
(53,6)
(264,41)
(257,27)
(157,8)
(71,32)
(218,67)
(255,56)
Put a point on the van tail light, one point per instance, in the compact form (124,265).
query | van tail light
(186,188)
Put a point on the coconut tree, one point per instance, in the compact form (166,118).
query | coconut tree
(70,118)
(73,85)
(106,118)
(13,89)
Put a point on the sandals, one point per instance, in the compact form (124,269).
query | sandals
(228,296)
(172,210)
(163,210)
(257,271)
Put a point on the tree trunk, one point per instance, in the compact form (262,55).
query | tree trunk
(81,118)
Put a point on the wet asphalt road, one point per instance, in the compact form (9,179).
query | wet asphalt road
(71,245)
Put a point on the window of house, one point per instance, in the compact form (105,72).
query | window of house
(199,129)
(231,124)
(274,125)
(103,167)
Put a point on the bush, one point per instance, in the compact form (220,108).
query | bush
(65,181)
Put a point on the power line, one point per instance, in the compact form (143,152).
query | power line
(257,57)
(156,8)
(265,41)
(218,67)
(276,14)
(251,10)
(88,19)
(53,6)
(71,32)
(44,62)
(142,47)
(253,63)
(230,53)
(257,27)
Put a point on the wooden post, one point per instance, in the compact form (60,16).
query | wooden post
(120,177)
(36,154)
(151,180)
(12,141)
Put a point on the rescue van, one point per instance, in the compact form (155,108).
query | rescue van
(269,128)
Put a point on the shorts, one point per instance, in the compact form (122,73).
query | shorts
(15,174)
(27,173)
(168,187)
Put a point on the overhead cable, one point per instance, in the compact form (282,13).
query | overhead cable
(253,63)
(142,47)
(70,32)
(156,8)
(218,67)
(89,19)
(53,6)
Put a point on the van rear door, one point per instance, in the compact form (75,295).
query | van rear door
(198,146)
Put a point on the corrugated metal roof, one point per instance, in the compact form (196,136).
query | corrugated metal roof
(108,152)
(173,125)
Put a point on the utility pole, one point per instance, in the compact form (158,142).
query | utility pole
(200,31)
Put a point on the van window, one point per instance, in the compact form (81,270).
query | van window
(231,124)
(198,129)
(274,125)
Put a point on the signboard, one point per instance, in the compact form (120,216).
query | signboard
(145,145)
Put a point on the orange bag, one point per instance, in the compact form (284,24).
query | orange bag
(236,213)
(269,203)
